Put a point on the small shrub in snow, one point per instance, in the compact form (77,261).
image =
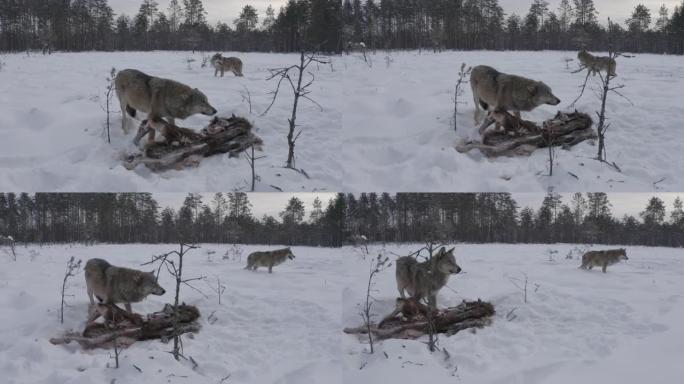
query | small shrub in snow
(552,253)
(378,265)
(234,253)
(73,267)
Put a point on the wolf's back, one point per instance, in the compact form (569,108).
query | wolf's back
(405,266)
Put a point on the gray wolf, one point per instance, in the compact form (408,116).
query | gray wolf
(268,259)
(159,98)
(421,279)
(113,285)
(496,91)
(596,64)
(603,259)
(222,64)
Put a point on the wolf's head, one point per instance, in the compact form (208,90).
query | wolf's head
(197,102)
(622,254)
(541,93)
(446,262)
(147,284)
(289,253)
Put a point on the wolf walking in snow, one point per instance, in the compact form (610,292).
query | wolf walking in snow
(113,285)
(268,258)
(159,98)
(596,64)
(500,92)
(426,278)
(603,259)
(223,64)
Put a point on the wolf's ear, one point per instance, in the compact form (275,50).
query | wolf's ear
(532,88)
(451,250)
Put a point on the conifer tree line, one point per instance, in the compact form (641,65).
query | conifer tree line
(483,24)
(404,217)
(328,25)
(81,25)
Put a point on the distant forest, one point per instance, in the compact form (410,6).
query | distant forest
(345,219)
(328,25)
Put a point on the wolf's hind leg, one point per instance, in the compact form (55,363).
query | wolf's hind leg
(270,268)
(605,266)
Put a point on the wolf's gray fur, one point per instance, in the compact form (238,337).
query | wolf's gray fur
(113,285)
(603,259)
(423,279)
(159,98)
(268,258)
(222,64)
(596,64)
(496,91)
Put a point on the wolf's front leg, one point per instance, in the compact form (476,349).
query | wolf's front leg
(432,301)
(270,268)
(605,266)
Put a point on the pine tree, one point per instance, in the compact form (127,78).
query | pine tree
(565,15)
(585,13)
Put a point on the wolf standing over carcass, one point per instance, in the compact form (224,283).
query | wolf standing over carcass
(425,279)
(111,284)
(500,92)
(603,259)
(268,259)
(159,98)
(223,64)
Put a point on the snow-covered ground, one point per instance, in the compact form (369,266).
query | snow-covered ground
(51,123)
(279,328)
(624,326)
(398,133)
(384,129)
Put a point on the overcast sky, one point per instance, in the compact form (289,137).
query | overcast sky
(228,10)
(622,203)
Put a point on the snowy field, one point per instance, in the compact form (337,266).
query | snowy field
(398,133)
(381,128)
(578,326)
(281,328)
(51,122)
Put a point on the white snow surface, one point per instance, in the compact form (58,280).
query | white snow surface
(52,119)
(279,328)
(381,128)
(578,326)
(398,131)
